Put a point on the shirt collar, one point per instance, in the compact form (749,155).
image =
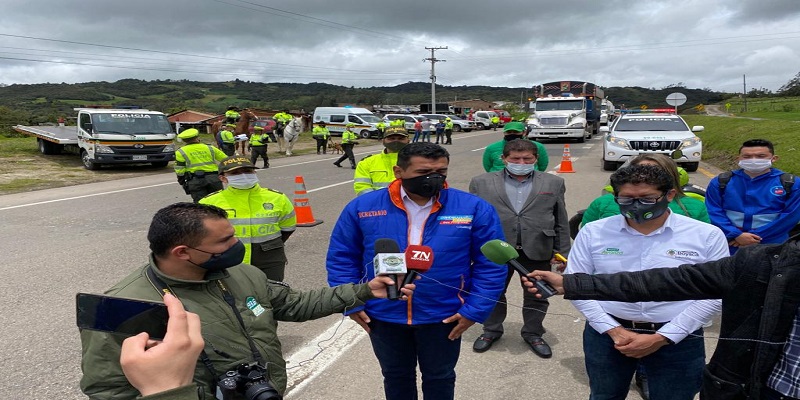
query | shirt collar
(407,200)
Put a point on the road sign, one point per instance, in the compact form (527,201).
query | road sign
(676,99)
(643,107)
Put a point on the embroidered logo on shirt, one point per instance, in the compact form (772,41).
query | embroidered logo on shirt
(777,191)
(454,219)
(367,214)
(253,305)
(682,253)
(612,250)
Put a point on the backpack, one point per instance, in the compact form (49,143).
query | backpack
(787,181)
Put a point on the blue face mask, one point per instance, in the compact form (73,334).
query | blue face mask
(520,169)
(228,258)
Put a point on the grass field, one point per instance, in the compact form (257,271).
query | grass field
(780,108)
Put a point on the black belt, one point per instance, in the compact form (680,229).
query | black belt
(639,325)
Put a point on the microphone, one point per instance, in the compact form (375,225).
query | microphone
(500,252)
(389,261)
(419,258)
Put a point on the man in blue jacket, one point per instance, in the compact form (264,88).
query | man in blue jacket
(757,203)
(459,289)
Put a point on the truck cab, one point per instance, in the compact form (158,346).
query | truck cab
(607,112)
(560,117)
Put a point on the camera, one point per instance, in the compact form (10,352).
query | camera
(250,380)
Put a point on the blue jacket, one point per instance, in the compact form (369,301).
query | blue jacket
(461,280)
(758,205)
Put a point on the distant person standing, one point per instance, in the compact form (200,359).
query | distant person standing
(196,165)
(258,146)
(448,130)
(417,131)
(321,134)
(381,126)
(426,130)
(348,141)
(495,122)
(228,139)
(440,132)
(492,156)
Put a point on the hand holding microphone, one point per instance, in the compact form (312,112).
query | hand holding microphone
(500,252)
(389,261)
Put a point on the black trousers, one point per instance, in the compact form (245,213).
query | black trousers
(259,151)
(228,148)
(348,154)
(322,145)
(448,133)
(202,186)
(533,311)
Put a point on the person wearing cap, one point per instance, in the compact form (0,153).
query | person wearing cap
(258,146)
(376,171)
(348,141)
(228,139)
(282,118)
(321,134)
(492,156)
(196,165)
(232,115)
(448,130)
(263,218)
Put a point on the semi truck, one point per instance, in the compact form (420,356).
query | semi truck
(110,136)
(565,109)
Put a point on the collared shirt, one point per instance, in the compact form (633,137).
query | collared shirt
(785,377)
(610,245)
(417,215)
(518,191)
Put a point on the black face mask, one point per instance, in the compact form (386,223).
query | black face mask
(641,213)
(425,185)
(395,147)
(228,258)
(509,138)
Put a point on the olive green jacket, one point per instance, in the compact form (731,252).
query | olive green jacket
(260,302)
(188,392)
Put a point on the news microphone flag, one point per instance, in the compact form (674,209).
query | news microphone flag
(389,261)
(419,258)
(500,252)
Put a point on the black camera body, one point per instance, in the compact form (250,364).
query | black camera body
(250,380)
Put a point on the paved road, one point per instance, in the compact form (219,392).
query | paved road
(85,238)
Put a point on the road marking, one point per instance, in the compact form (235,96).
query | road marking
(705,172)
(310,360)
(85,196)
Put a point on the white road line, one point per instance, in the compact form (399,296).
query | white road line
(85,196)
(319,353)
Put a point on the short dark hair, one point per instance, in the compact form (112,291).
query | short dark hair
(520,145)
(180,223)
(420,149)
(642,174)
(759,143)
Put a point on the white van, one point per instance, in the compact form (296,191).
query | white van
(483,119)
(337,118)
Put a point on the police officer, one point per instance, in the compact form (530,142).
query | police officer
(228,139)
(448,130)
(263,218)
(282,118)
(377,171)
(348,141)
(232,115)
(321,134)
(495,122)
(381,126)
(258,146)
(196,165)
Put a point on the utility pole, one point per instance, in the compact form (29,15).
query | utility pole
(433,61)
(744,91)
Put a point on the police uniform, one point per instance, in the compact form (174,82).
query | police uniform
(348,141)
(232,115)
(196,166)
(376,171)
(258,146)
(261,218)
(228,140)
(448,130)
(321,134)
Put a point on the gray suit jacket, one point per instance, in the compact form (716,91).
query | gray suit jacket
(543,220)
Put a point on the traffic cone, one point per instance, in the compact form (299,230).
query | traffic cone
(302,208)
(566,161)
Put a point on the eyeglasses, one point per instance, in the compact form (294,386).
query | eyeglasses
(646,201)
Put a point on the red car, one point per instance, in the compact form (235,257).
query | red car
(505,117)
(267,123)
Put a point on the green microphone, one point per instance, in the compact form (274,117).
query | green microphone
(500,252)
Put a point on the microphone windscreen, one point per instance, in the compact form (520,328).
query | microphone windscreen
(385,245)
(498,251)
(419,258)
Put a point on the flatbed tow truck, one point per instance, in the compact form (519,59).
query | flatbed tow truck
(110,136)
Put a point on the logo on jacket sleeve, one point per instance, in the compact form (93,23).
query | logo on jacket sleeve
(454,219)
(777,191)
(253,305)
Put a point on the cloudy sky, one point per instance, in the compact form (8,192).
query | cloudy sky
(516,43)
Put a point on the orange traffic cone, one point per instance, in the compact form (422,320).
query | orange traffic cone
(566,161)
(302,208)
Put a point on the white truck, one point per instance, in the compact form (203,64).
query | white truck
(565,109)
(607,112)
(110,136)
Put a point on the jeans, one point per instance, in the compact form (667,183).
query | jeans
(417,135)
(426,136)
(674,372)
(400,347)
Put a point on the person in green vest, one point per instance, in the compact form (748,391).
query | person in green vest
(348,141)
(495,122)
(232,115)
(492,156)
(448,130)
(263,218)
(321,134)
(258,146)
(282,118)
(376,171)
(196,165)
(228,139)
(381,126)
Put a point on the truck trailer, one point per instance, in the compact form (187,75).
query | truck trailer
(565,109)
(110,136)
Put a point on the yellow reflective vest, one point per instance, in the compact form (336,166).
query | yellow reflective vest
(257,214)
(227,137)
(320,132)
(374,172)
(259,139)
(197,157)
(348,136)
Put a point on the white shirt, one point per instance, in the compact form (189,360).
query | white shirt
(610,245)
(417,215)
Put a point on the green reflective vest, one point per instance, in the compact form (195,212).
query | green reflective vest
(197,157)
(320,132)
(227,136)
(374,172)
(259,139)
(348,136)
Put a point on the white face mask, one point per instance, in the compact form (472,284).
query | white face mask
(755,165)
(242,181)
(520,169)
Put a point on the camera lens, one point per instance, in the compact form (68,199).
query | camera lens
(262,391)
